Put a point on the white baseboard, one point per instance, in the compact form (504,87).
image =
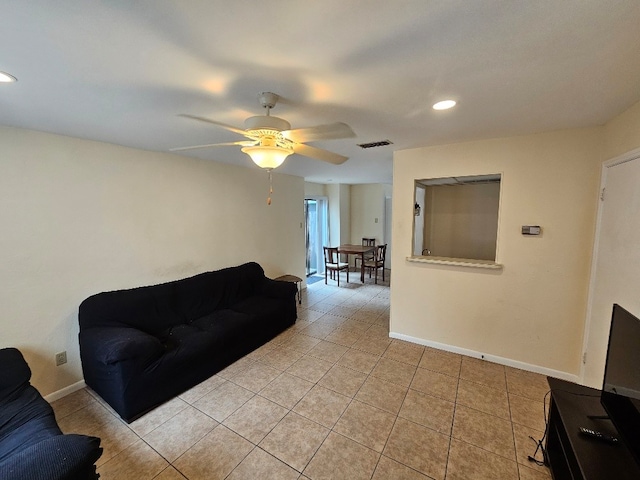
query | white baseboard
(52,397)
(492,358)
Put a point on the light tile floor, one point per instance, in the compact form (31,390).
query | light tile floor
(333,397)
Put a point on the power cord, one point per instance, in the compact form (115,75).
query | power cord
(540,443)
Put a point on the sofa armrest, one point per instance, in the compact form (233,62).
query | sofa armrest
(68,457)
(14,372)
(278,289)
(109,345)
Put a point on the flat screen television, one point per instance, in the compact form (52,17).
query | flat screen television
(621,387)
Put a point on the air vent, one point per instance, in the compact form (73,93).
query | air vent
(381,143)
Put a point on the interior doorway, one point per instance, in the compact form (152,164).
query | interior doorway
(615,276)
(315,214)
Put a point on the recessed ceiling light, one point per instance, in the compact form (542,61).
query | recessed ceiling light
(6,78)
(444,105)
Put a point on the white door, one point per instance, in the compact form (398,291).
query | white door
(615,276)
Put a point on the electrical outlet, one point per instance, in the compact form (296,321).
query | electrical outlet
(61,358)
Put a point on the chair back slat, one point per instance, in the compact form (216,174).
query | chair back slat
(331,254)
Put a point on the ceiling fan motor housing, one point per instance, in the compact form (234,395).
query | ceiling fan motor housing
(266,122)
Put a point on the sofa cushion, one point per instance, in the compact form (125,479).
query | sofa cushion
(25,420)
(199,295)
(225,322)
(262,306)
(177,335)
(202,294)
(186,343)
(62,457)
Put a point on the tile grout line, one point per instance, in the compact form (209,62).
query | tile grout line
(453,419)
(396,418)
(513,433)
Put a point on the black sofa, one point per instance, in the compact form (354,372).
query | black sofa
(31,443)
(143,346)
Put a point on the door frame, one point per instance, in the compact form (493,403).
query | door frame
(619,160)
(322,204)
(388,207)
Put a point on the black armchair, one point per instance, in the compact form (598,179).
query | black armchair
(31,443)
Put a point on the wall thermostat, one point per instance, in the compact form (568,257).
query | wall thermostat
(531,230)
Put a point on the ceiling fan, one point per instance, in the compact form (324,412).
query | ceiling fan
(271,139)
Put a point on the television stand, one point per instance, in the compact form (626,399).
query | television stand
(574,456)
(598,417)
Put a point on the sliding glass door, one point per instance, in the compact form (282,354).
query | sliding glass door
(315,213)
(311,233)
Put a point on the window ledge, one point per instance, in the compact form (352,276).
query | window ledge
(456,262)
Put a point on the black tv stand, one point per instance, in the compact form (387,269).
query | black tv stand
(574,456)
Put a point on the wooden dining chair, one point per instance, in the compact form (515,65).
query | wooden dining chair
(366,242)
(333,265)
(377,262)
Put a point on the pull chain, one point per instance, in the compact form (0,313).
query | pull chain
(270,188)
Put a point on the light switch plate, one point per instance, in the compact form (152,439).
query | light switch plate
(531,230)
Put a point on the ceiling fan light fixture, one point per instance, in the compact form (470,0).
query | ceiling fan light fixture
(6,78)
(266,156)
(444,105)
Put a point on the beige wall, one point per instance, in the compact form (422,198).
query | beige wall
(367,212)
(622,133)
(345,213)
(80,217)
(335,222)
(339,213)
(532,311)
(314,190)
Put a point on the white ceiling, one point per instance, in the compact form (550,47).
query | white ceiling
(121,71)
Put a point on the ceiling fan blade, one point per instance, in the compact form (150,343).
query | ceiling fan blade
(213,122)
(245,143)
(330,131)
(319,154)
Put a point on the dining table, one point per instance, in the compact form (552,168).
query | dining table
(361,250)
